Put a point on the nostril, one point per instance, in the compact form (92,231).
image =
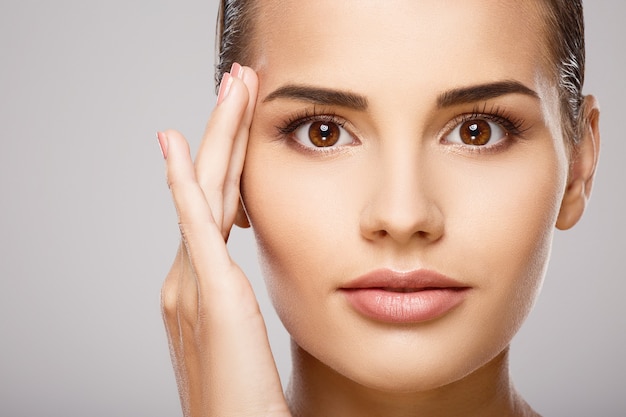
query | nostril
(396,216)
(384,233)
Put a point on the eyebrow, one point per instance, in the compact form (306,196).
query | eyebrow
(322,96)
(483,92)
(463,95)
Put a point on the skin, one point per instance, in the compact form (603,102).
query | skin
(400,193)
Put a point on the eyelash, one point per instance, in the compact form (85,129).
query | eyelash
(307,116)
(513,126)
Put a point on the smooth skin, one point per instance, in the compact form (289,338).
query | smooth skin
(323,218)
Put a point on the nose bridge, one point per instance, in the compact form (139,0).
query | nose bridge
(402,203)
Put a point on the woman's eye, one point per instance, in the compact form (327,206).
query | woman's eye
(322,134)
(476,132)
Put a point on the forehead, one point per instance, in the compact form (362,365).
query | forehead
(436,42)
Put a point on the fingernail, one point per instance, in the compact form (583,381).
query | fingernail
(162,143)
(227,80)
(237,70)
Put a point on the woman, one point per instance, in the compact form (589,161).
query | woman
(405,166)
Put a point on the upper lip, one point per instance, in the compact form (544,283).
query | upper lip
(388,279)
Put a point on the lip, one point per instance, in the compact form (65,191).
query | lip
(404,297)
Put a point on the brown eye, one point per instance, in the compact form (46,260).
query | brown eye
(475,132)
(318,134)
(323,134)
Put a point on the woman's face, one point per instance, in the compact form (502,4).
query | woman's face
(416,242)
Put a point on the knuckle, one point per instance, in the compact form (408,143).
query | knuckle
(169,297)
(173,134)
(169,180)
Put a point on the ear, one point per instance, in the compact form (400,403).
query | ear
(582,166)
(241,219)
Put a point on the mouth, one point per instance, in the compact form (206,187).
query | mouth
(408,290)
(404,297)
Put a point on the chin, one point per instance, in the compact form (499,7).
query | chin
(406,359)
(415,376)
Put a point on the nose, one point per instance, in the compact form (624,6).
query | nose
(402,205)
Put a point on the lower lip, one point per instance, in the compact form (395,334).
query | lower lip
(410,307)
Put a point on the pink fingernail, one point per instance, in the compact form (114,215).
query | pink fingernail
(236,70)
(162,143)
(225,84)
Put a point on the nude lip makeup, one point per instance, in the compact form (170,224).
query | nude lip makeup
(404,297)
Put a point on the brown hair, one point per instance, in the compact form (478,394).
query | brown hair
(566,43)
(565,34)
(233,43)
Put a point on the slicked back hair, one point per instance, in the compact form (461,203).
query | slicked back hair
(566,44)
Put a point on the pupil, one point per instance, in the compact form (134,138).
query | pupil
(325,132)
(474,131)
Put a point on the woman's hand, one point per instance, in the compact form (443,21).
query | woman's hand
(217,336)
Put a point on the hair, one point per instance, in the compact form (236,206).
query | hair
(566,43)
(233,41)
(565,37)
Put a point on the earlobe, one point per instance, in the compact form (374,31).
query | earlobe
(583,166)
(572,206)
(241,218)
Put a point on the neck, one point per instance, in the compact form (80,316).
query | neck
(316,390)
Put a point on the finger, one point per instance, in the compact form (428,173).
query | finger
(180,297)
(233,176)
(180,293)
(215,152)
(209,263)
(204,243)
(189,200)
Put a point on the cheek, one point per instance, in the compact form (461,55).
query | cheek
(502,222)
(301,214)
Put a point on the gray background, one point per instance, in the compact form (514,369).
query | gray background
(88,230)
